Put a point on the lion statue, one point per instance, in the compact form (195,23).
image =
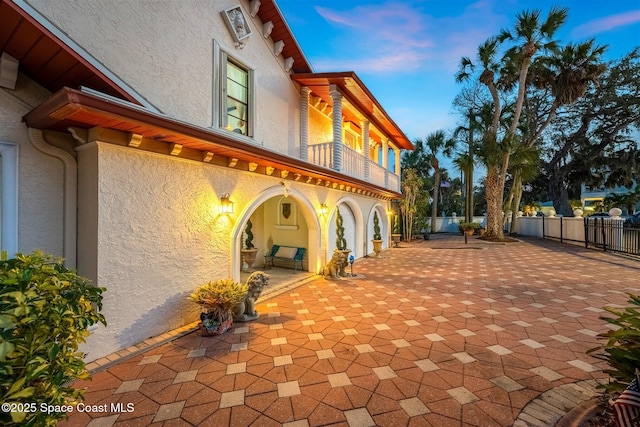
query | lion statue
(245,311)
(332,269)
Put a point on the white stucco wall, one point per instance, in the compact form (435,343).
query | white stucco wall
(160,235)
(40,177)
(164,49)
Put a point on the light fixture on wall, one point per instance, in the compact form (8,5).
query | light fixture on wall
(390,212)
(324,209)
(226,205)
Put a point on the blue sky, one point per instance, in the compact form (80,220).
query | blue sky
(407,51)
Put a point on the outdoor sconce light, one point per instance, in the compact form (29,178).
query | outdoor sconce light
(226,205)
(389,212)
(324,209)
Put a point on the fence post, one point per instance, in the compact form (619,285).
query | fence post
(544,235)
(586,232)
(561,218)
(604,234)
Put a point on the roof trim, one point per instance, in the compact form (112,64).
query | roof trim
(71,104)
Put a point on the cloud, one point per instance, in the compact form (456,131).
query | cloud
(402,37)
(607,23)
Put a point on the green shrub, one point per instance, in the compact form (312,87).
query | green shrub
(376,227)
(468,226)
(220,296)
(396,225)
(249,240)
(45,310)
(622,349)
(341,242)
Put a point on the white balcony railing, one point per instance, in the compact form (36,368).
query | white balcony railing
(353,165)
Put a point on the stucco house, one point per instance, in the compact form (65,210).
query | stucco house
(137,138)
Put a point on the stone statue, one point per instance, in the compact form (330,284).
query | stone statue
(332,269)
(245,311)
(239,24)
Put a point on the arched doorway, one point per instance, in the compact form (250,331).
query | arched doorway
(276,219)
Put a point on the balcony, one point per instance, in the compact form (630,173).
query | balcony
(354,164)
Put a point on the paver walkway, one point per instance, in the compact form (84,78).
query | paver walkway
(435,333)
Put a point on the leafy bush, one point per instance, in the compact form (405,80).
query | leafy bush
(45,310)
(468,226)
(248,243)
(341,242)
(396,225)
(622,349)
(219,296)
(376,227)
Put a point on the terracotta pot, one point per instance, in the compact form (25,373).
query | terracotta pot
(249,257)
(213,324)
(377,246)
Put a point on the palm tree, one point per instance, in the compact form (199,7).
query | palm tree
(438,144)
(524,168)
(567,75)
(530,35)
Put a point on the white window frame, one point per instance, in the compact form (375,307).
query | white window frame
(220,59)
(9,226)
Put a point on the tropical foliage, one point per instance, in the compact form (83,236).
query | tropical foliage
(45,310)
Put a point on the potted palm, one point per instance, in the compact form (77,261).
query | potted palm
(218,298)
(377,237)
(249,252)
(341,243)
(395,236)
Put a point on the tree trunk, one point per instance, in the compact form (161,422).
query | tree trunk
(516,203)
(469,195)
(434,206)
(494,205)
(559,194)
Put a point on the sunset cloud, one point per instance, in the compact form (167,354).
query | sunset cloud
(607,23)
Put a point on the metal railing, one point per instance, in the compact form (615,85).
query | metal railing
(612,235)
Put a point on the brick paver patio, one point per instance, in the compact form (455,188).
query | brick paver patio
(435,333)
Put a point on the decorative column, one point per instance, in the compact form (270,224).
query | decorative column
(385,160)
(397,168)
(336,96)
(364,125)
(304,124)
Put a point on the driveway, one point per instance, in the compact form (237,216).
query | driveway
(434,333)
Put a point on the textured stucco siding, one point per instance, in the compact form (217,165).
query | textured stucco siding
(40,177)
(160,235)
(164,49)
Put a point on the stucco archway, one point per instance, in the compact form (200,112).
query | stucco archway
(359,250)
(307,210)
(383,218)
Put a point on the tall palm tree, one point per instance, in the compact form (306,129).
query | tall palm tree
(438,144)
(529,35)
(567,74)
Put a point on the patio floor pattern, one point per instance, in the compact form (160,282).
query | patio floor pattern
(434,333)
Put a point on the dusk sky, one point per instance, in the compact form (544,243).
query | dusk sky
(407,51)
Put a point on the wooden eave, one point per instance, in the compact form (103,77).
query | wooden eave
(73,109)
(357,93)
(46,59)
(269,11)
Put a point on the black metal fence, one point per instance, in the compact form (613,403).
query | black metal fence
(612,235)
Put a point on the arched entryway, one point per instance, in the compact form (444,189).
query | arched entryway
(383,220)
(353,224)
(278,219)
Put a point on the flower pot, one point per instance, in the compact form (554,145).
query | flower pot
(395,238)
(249,257)
(215,323)
(469,231)
(377,246)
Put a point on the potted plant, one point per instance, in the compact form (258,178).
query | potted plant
(469,227)
(341,243)
(377,237)
(395,236)
(219,298)
(249,252)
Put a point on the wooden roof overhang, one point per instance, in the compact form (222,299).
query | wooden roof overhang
(47,59)
(73,109)
(357,94)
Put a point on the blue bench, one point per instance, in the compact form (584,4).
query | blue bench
(285,253)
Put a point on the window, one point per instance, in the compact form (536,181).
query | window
(234,104)
(9,197)
(237,98)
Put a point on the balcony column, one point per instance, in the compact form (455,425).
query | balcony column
(397,169)
(336,96)
(304,123)
(364,125)
(385,160)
